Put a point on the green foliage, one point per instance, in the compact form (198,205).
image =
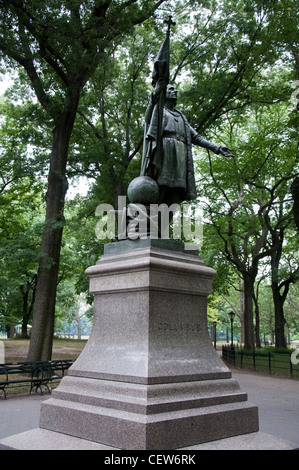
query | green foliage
(109,129)
(233,61)
(20,230)
(21,209)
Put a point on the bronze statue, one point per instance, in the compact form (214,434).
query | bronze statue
(167,172)
(172,168)
(168,137)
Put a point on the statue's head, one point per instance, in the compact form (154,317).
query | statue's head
(171,92)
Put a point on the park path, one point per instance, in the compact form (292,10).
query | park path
(278,402)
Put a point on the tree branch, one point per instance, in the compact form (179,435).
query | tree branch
(93,127)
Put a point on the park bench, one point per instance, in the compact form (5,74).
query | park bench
(38,374)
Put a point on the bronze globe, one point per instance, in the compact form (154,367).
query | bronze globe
(143,190)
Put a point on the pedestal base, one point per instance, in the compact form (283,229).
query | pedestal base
(149,377)
(194,414)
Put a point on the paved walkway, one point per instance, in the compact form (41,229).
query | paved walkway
(278,402)
(277,399)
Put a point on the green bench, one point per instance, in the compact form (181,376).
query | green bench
(38,374)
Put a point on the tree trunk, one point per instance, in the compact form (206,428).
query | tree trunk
(278,299)
(248,313)
(25,316)
(242,309)
(295,195)
(280,339)
(45,296)
(257,317)
(257,324)
(10,331)
(27,309)
(78,320)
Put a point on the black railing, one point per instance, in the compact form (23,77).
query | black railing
(229,354)
(274,363)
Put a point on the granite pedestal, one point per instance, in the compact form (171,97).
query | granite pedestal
(148,377)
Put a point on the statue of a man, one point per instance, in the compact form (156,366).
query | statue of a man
(172,167)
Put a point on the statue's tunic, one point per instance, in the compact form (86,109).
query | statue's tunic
(173,167)
(173,170)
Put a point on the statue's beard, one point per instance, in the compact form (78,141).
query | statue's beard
(170,103)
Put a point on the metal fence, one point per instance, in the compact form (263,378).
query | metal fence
(274,363)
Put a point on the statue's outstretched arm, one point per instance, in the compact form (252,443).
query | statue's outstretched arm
(198,140)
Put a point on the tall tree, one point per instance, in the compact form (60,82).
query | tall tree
(20,214)
(271,181)
(243,238)
(111,118)
(284,268)
(60,45)
(224,54)
(248,201)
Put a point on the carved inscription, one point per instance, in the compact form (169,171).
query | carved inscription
(178,326)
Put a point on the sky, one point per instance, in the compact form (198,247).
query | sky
(5,82)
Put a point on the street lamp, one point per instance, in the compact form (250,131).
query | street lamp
(214,330)
(232,316)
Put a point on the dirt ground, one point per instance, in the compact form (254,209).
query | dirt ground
(15,350)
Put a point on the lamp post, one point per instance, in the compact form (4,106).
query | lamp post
(214,331)
(232,316)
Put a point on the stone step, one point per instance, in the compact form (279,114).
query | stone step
(168,430)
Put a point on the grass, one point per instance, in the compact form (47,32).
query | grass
(16,350)
(269,360)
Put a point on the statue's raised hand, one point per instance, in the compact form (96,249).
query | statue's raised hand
(160,85)
(226,152)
